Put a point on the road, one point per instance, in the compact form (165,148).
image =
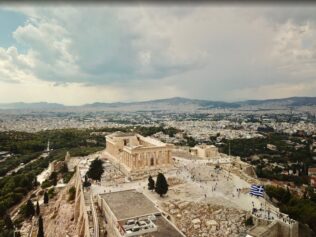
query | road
(43,155)
(14,210)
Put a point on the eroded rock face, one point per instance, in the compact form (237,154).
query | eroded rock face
(206,220)
(58,215)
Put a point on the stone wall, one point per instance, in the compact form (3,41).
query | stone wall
(112,223)
(249,170)
(276,228)
(80,212)
(290,230)
(151,156)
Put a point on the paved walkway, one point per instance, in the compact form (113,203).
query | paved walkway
(224,186)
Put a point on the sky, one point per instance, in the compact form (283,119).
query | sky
(107,53)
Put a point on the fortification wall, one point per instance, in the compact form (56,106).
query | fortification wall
(80,212)
(264,228)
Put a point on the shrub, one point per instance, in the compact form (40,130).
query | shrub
(249,221)
(72,193)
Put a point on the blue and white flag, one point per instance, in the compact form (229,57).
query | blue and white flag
(257,190)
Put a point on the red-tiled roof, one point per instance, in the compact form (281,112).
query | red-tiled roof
(313,170)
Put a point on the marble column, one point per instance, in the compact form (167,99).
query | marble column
(130,161)
(161,158)
(135,162)
(157,158)
(148,161)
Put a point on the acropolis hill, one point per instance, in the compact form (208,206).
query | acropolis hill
(208,195)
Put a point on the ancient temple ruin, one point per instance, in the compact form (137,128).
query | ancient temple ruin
(136,154)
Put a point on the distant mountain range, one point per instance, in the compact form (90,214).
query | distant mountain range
(177,103)
(38,105)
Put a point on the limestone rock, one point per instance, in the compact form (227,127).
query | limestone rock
(183,205)
(174,211)
(196,221)
(210,223)
(206,220)
(197,226)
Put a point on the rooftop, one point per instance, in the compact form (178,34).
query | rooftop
(129,204)
(312,169)
(135,140)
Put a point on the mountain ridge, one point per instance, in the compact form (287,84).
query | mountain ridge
(167,102)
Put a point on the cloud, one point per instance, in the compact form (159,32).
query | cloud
(147,52)
(14,67)
(98,45)
(295,49)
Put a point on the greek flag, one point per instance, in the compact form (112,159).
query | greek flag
(257,190)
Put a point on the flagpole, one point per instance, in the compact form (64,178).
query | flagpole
(265,204)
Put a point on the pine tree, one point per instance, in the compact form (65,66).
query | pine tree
(45,197)
(8,222)
(161,185)
(38,210)
(53,178)
(35,183)
(96,169)
(40,232)
(151,183)
(86,182)
(29,209)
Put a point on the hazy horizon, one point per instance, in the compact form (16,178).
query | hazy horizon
(140,101)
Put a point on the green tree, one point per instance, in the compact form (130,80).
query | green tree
(161,185)
(35,182)
(86,182)
(72,193)
(40,232)
(191,141)
(53,178)
(38,210)
(3,208)
(29,209)
(96,169)
(45,197)
(151,183)
(64,168)
(8,222)
(249,221)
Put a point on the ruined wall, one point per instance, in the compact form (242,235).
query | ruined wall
(274,229)
(288,230)
(280,229)
(111,148)
(249,170)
